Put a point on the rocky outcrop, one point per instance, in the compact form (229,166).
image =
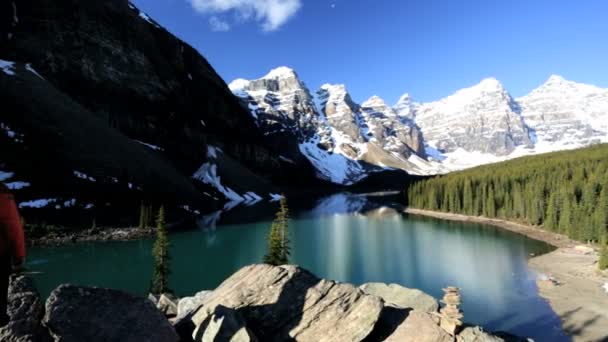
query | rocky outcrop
(257,303)
(402,297)
(278,303)
(25,310)
(287,302)
(77,314)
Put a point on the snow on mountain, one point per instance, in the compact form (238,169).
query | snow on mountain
(406,107)
(566,113)
(483,118)
(346,141)
(396,133)
(343,141)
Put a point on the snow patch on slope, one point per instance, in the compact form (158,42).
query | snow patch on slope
(7,67)
(38,203)
(5,175)
(333,167)
(154,147)
(207,174)
(17,185)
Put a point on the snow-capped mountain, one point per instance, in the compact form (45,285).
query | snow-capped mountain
(342,140)
(396,133)
(483,118)
(346,141)
(566,113)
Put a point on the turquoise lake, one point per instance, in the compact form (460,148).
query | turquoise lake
(343,237)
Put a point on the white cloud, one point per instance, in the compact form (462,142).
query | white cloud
(218,25)
(272,14)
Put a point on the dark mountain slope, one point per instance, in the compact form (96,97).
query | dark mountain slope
(99,89)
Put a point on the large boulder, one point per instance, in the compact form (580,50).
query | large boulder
(75,313)
(419,327)
(402,297)
(25,310)
(289,303)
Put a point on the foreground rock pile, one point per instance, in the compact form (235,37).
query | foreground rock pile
(257,303)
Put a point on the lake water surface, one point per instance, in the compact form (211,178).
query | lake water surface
(346,238)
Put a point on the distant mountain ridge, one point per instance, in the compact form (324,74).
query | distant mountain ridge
(345,141)
(476,125)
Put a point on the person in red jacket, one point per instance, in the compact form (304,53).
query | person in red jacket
(12,246)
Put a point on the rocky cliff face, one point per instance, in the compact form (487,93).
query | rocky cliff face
(395,132)
(566,113)
(473,126)
(344,141)
(482,118)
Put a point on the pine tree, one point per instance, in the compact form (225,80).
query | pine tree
(491,203)
(160,280)
(600,216)
(467,197)
(565,216)
(278,240)
(143,216)
(603,262)
(552,220)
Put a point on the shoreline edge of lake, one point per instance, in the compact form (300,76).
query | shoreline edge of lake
(568,278)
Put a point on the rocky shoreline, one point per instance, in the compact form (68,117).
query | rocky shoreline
(90,235)
(568,278)
(257,303)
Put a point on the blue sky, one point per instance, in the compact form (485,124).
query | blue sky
(428,48)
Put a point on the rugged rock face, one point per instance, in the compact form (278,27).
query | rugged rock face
(288,303)
(113,107)
(566,113)
(280,303)
(394,132)
(476,125)
(75,313)
(25,310)
(257,303)
(482,118)
(343,141)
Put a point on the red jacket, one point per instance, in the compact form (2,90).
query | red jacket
(12,239)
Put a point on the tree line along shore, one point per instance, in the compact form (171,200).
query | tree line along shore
(564,192)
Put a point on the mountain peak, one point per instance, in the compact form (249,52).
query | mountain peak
(556,79)
(334,87)
(374,101)
(281,72)
(238,85)
(404,99)
(489,83)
